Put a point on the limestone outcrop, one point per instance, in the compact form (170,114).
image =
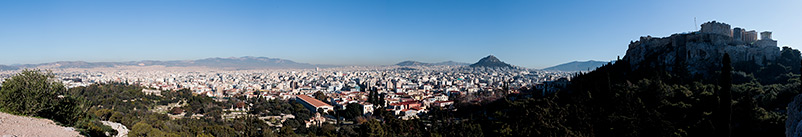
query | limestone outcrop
(699,52)
(793,125)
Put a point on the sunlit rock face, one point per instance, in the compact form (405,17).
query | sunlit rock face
(699,52)
(793,125)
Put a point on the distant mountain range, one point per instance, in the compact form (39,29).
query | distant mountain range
(4,67)
(445,63)
(491,61)
(577,66)
(246,62)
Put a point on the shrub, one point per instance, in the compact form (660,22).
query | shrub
(30,93)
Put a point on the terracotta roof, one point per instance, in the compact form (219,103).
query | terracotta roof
(312,101)
(240,105)
(408,102)
(443,101)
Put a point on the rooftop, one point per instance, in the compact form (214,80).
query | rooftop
(312,101)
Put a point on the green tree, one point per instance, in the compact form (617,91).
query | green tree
(30,93)
(320,96)
(204,135)
(36,93)
(68,110)
(286,131)
(140,129)
(381,101)
(252,126)
(104,114)
(372,96)
(327,130)
(352,110)
(372,128)
(725,98)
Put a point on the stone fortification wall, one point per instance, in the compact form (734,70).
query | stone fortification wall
(717,28)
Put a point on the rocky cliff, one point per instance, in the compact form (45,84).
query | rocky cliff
(697,52)
(793,125)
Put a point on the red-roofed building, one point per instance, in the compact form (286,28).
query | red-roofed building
(405,105)
(313,104)
(443,103)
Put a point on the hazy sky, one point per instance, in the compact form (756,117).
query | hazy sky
(528,33)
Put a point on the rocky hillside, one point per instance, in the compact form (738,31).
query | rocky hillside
(793,125)
(577,66)
(699,52)
(4,67)
(492,62)
(12,125)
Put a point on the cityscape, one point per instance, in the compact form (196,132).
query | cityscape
(407,89)
(424,85)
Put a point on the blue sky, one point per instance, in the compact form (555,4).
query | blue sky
(533,34)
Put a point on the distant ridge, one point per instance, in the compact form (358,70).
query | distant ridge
(247,62)
(445,63)
(577,66)
(491,61)
(4,67)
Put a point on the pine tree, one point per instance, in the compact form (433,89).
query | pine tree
(725,98)
(373,96)
(370,96)
(381,99)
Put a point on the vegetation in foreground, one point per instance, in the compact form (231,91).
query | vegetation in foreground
(35,93)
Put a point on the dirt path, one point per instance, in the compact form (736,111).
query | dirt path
(122,131)
(21,126)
